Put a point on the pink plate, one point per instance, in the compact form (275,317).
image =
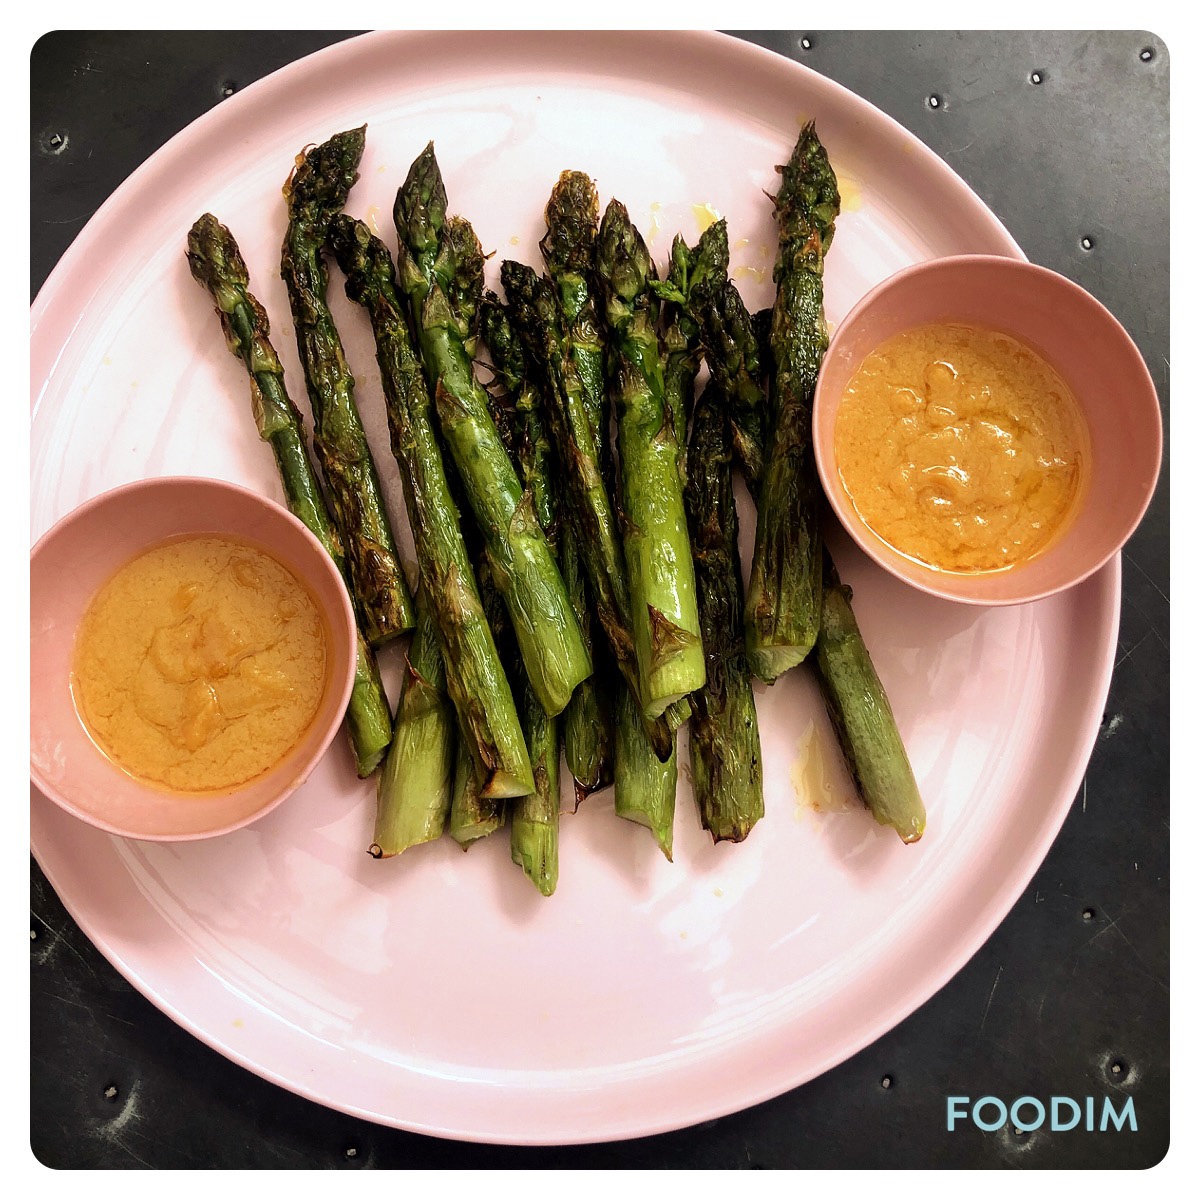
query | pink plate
(439,992)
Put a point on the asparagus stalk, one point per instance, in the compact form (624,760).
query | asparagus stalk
(750,417)
(725,751)
(587,721)
(216,263)
(644,785)
(317,189)
(730,341)
(534,830)
(568,250)
(518,410)
(475,678)
(693,274)
(474,812)
(662,584)
(783,609)
(441,270)
(416,783)
(862,716)
(591,515)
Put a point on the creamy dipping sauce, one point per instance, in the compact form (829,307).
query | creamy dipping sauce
(200,664)
(961,447)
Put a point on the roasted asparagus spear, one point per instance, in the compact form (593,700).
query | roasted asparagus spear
(644,785)
(475,678)
(216,264)
(783,602)
(862,716)
(440,268)
(587,721)
(730,343)
(662,584)
(517,406)
(416,783)
(568,250)
(590,510)
(725,751)
(315,191)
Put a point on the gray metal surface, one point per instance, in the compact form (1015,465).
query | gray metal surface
(1065,136)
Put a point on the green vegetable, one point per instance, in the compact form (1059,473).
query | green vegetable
(568,249)
(644,785)
(217,265)
(475,678)
(725,751)
(862,716)
(662,584)
(416,783)
(587,721)
(315,191)
(590,512)
(440,268)
(783,604)
(730,342)
(518,412)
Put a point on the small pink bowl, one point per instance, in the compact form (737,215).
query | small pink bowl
(66,568)
(1077,336)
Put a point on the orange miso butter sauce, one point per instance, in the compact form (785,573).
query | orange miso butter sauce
(200,664)
(961,447)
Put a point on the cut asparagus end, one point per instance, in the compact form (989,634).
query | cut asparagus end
(535,851)
(505,786)
(660,820)
(535,817)
(367,717)
(472,814)
(668,705)
(768,662)
(727,766)
(643,786)
(419,768)
(417,782)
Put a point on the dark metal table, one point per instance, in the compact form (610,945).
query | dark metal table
(1065,136)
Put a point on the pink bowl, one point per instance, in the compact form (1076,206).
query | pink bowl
(76,558)
(1082,340)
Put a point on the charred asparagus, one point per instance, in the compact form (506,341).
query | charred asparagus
(783,603)
(216,263)
(316,190)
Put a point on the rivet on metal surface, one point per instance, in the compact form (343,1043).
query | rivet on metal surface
(806,43)
(33,935)
(1035,77)
(1116,1067)
(110,1093)
(1087,243)
(1089,914)
(227,89)
(351,1152)
(934,100)
(54,142)
(1146,54)
(886,1082)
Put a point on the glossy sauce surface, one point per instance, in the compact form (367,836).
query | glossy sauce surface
(961,447)
(200,664)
